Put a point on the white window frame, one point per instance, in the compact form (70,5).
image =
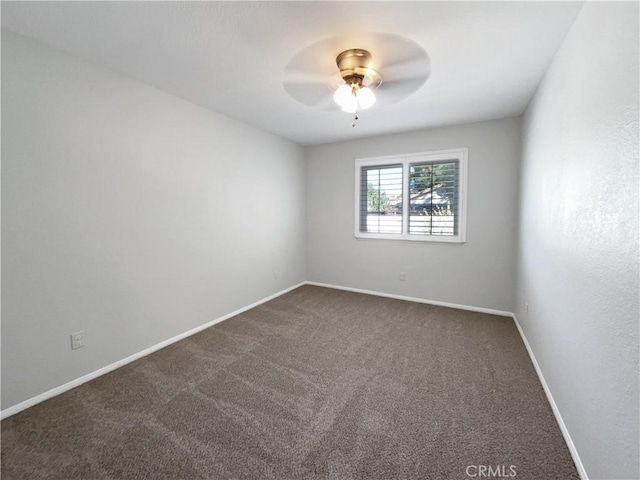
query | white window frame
(458,154)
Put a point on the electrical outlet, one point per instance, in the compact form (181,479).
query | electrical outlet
(402,276)
(77,340)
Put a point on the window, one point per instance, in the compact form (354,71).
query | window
(432,185)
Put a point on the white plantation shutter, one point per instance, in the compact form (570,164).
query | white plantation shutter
(412,197)
(380,191)
(434,198)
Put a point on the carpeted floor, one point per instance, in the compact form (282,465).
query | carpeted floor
(316,384)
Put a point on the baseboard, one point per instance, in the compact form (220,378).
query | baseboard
(556,412)
(120,363)
(414,299)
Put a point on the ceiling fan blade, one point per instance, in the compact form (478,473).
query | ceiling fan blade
(405,60)
(396,90)
(306,77)
(409,67)
(311,94)
(300,76)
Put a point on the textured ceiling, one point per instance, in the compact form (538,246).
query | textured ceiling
(487,58)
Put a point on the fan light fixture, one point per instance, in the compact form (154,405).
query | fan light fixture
(356,93)
(350,97)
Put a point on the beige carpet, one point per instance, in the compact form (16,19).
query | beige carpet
(316,384)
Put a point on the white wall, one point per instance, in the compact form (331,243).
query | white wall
(130,214)
(578,247)
(479,273)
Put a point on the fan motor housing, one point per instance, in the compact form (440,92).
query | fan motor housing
(355,67)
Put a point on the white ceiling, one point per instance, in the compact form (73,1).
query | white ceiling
(487,58)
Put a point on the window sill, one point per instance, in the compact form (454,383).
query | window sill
(451,240)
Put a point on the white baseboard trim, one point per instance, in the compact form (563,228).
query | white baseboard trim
(556,412)
(7,412)
(415,299)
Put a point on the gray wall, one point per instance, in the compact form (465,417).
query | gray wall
(130,214)
(578,260)
(479,273)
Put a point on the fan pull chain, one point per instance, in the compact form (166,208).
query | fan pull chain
(355,119)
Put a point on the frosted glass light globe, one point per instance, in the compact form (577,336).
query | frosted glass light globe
(342,95)
(351,105)
(366,98)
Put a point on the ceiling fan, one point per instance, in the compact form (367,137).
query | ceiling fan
(360,79)
(333,72)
